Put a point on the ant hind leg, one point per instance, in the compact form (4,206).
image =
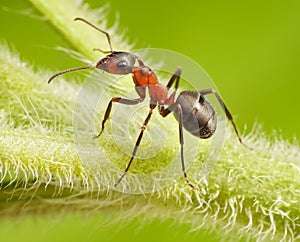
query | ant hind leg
(227,113)
(180,119)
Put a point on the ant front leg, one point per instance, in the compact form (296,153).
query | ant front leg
(225,109)
(152,106)
(165,113)
(118,100)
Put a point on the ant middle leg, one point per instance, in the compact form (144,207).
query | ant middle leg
(109,106)
(227,113)
(152,106)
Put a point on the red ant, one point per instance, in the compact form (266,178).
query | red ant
(191,109)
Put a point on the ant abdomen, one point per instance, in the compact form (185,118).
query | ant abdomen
(198,115)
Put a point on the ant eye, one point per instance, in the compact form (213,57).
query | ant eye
(122,64)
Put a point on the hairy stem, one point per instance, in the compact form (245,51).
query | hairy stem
(252,194)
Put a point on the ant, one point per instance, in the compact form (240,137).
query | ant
(192,111)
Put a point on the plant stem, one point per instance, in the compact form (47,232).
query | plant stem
(253,194)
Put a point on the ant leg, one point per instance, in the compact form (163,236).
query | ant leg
(225,109)
(109,106)
(180,118)
(166,112)
(137,143)
(139,60)
(175,77)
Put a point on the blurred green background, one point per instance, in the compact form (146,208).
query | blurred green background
(250,49)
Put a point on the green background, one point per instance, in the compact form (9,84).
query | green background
(250,49)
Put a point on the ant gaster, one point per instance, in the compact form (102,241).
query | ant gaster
(191,109)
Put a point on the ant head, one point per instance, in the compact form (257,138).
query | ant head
(116,62)
(120,63)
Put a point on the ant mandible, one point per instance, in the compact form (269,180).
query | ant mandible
(191,109)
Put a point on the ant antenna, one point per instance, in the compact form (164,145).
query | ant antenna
(95,27)
(102,51)
(68,70)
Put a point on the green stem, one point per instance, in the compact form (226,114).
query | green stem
(83,38)
(252,194)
